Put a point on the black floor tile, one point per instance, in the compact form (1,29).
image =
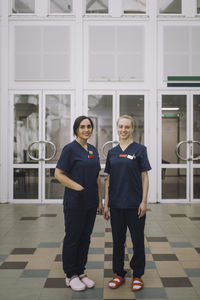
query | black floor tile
(14,265)
(108,230)
(58,257)
(178,215)
(176,282)
(108,244)
(108,273)
(28,218)
(55,283)
(164,257)
(48,215)
(23,250)
(156,239)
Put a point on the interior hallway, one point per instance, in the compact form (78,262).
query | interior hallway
(30,254)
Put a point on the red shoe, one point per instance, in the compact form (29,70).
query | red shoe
(116,282)
(137,284)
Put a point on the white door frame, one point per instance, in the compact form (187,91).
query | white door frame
(41,166)
(189,135)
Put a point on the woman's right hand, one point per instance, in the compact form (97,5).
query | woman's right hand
(79,188)
(106,213)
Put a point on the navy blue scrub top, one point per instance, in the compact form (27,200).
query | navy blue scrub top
(83,167)
(125,168)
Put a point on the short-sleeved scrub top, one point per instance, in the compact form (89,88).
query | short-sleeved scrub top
(125,168)
(83,167)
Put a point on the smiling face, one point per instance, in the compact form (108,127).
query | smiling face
(125,129)
(84,130)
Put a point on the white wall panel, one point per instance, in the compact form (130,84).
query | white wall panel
(42,53)
(116,53)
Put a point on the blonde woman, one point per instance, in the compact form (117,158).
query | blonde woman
(126,196)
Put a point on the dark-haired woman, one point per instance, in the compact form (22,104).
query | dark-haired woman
(78,170)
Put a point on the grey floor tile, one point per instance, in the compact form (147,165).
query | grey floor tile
(151,293)
(192,272)
(35,273)
(98,234)
(55,294)
(150,265)
(96,251)
(95,265)
(96,293)
(49,245)
(181,245)
(3,257)
(181,293)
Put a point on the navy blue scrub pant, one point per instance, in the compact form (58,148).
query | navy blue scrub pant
(78,229)
(120,220)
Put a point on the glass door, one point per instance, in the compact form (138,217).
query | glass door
(42,126)
(180,147)
(195,147)
(104,108)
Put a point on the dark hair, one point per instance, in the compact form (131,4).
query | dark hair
(78,121)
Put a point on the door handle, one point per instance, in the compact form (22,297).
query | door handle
(177,150)
(198,157)
(107,143)
(29,151)
(39,158)
(54,150)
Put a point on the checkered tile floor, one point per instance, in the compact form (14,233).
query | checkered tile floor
(30,255)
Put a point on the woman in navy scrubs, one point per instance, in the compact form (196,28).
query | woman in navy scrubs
(78,170)
(126,196)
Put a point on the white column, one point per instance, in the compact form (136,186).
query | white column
(189,8)
(4,103)
(115,8)
(151,65)
(78,57)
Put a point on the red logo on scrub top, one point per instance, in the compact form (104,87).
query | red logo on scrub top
(90,156)
(123,155)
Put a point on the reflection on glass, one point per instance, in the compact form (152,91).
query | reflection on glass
(60,6)
(58,126)
(25,183)
(133,105)
(198,6)
(173,183)
(134,6)
(96,6)
(100,110)
(170,6)
(25,127)
(196,183)
(23,6)
(173,127)
(53,189)
(196,128)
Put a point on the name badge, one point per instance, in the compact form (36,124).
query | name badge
(131,156)
(90,152)
(123,155)
(90,156)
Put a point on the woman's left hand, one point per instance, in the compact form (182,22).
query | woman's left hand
(142,209)
(100,209)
